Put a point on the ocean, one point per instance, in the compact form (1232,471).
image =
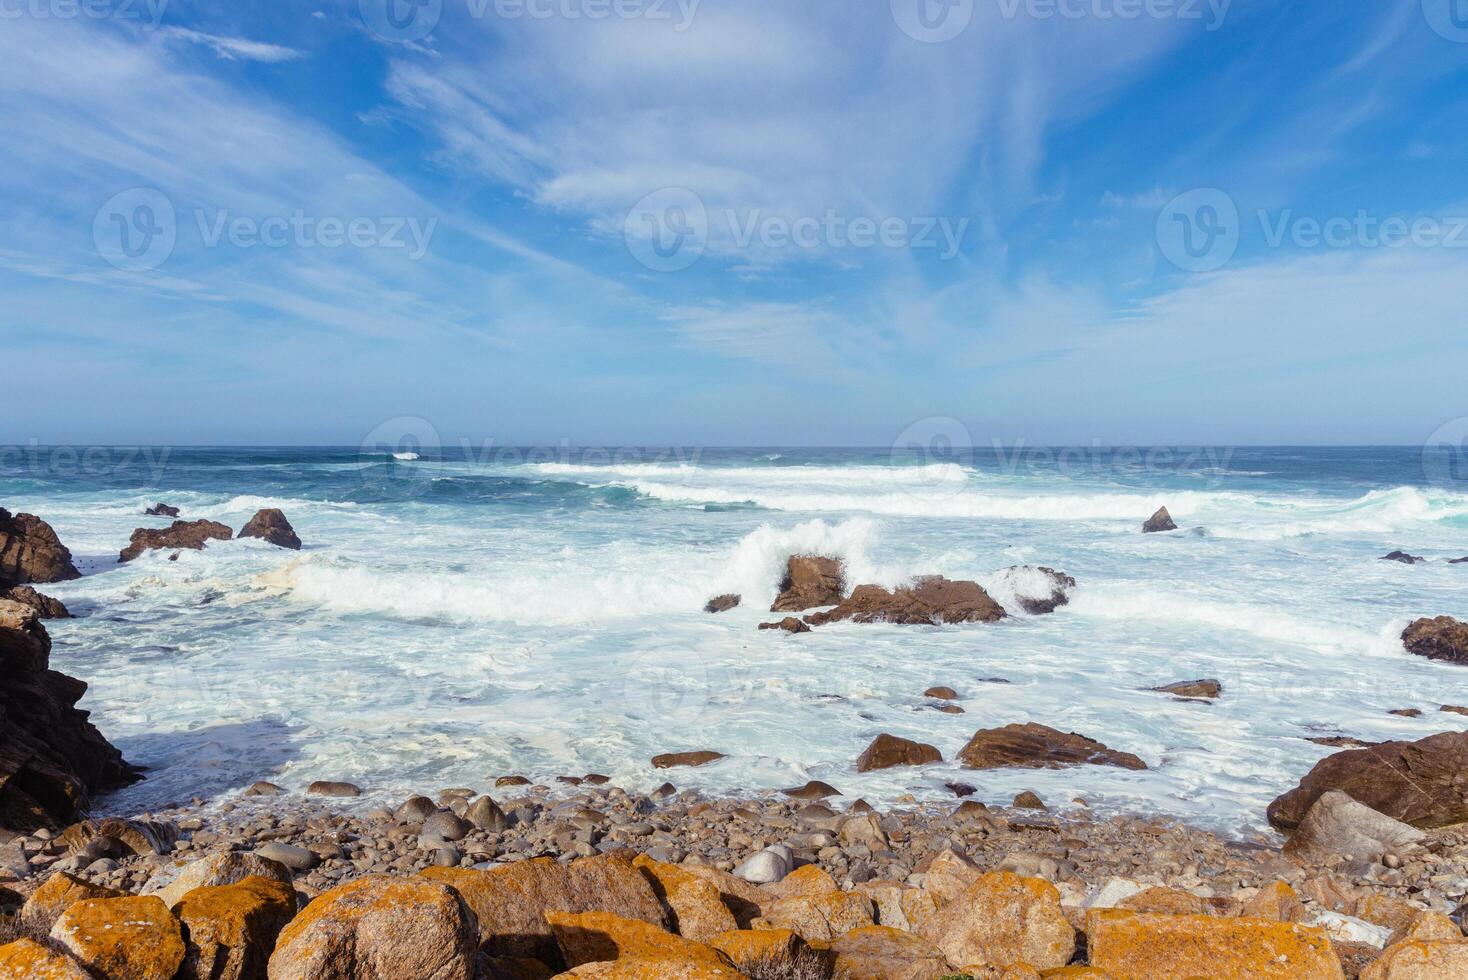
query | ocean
(457,614)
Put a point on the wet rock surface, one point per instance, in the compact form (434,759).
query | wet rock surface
(30,551)
(929,600)
(810,581)
(180,534)
(1441,638)
(271,525)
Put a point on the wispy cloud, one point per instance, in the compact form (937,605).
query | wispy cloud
(234,48)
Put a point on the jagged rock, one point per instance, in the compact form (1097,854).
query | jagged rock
(810,581)
(44,605)
(1032,746)
(930,599)
(598,937)
(161,510)
(270,525)
(1040,590)
(262,788)
(695,907)
(1419,783)
(180,534)
(128,938)
(789,624)
(143,837)
(1443,638)
(887,751)
(1160,521)
(51,758)
(1404,558)
(26,959)
(1002,920)
(30,551)
(173,881)
(1419,960)
(229,930)
(883,953)
(1207,689)
(671,760)
(721,603)
(59,892)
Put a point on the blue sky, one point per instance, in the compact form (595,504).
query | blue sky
(1125,221)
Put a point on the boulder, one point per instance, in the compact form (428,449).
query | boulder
(173,881)
(379,928)
(810,581)
(887,751)
(1419,783)
(883,953)
(789,624)
(270,525)
(1419,960)
(1207,689)
(1174,947)
(59,892)
(695,908)
(1404,558)
(1040,590)
(1277,902)
(287,855)
(721,603)
(593,937)
(45,606)
(26,959)
(30,551)
(673,760)
(1029,800)
(929,599)
(943,693)
(1160,521)
(1338,826)
(180,534)
(415,809)
(663,966)
(1033,746)
(161,510)
(1443,638)
(743,898)
(51,758)
(129,938)
(767,866)
(143,837)
(335,789)
(229,930)
(486,815)
(819,916)
(813,790)
(754,950)
(1001,920)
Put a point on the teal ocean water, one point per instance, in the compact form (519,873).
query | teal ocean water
(459,614)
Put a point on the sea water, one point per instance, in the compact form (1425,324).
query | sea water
(457,615)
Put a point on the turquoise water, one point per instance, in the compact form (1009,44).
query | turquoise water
(473,612)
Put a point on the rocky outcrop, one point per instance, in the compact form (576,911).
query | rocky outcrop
(45,606)
(180,534)
(810,581)
(1206,689)
(1129,944)
(270,525)
(1443,638)
(30,551)
(1338,827)
(887,751)
(928,600)
(674,760)
(1032,746)
(51,758)
(161,510)
(1404,558)
(1160,521)
(721,603)
(1419,783)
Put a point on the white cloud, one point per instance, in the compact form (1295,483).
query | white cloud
(233,48)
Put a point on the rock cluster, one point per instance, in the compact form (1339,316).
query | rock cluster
(931,599)
(180,534)
(45,606)
(161,510)
(30,551)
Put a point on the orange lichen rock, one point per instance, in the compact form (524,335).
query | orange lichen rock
(1188,947)
(129,938)
(822,916)
(695,905)
(1416,960)
(883,953)
(747,946)
(26,959)
(591,937)
(60,892)
(1003,919)
(1277,902)
(1168,901)
(230,930)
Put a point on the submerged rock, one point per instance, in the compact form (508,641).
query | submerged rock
(671,760)
(789,624)
(1040,590)
(721,603)
(1208,689)
(928,600)
(1160,521)
(888,751)
(1404,558)
(271,525)
(810,581)
(161,510)
(180,534)
(30,551)
(1032,746)
(1419,783)
(1443,638)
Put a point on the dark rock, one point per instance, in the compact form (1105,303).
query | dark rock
(671,760)
(324,788)
(44,605)
(52,760)
(1443,638)
(931,599)
(1340,741)
(1029,800)
(810,581)
(887,751)
(1407,712)
(949,709)
(1458,561)
(30,551)
(945,693)
(1056,595)
(1207,688)
(161,510)
(721,603)
(1404,558)
(1455,709)
(1032,746)
(1160,521)
(270,525)
(596,779)
(1419,783)
(813,790)
(180,534)
(961,790)
(789,624)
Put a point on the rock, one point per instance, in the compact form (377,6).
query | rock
(657,967)
(819,917)
(293,857)
(721,603)
(26,959)
(1419,783)
(1002,920)
(45,606)
(942,693)
(59,892)
(744,899)
(1404,558)
(173,881)
(813,790)
(695,908)
(756,952)
(1338,826)
(1160,521)
(768,866)
(270,525)
(1111,893)
(888,751)
(882,953)
(230,929)
(1340,741)
(444,825)
(510,901)
(1029,800)
(415,809)
(129,938)
(810,581)
(30,551)
(1348,929)
(1128,944)
(930,599)
(180,534)
(671,760)
(511,781)
(789,624)
(340,790)
(948,876)
(1208,689)
(51,758)
(486,815)
(1166,901)
(161,510)
(863,829)
(1277,902)
(592,937)
(1426,926)
(263,788)
(379,928)
(1443,638)
(1032,746)
(1040,590)
(143,837)
(1416,960)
